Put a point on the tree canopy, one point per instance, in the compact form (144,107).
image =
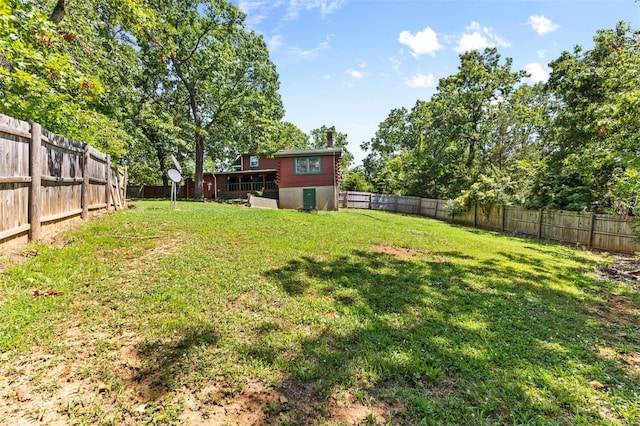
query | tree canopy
(488,136)
(141,80)
(144,80)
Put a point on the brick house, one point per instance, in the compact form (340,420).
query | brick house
(299,179)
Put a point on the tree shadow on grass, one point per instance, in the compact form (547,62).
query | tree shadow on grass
(168,362)
(448,346)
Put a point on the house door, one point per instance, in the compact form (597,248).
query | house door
(309,198)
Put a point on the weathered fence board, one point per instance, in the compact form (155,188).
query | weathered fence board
(614,234)
(594,231)
(489,217)
(410,205)
(45,178)
(359,200)
(384,202)
(521,221)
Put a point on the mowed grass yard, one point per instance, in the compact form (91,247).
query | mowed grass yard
(219,314)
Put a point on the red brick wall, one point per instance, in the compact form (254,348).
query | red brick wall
(288,179)
(265,163)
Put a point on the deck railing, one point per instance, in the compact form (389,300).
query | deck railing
(250,186)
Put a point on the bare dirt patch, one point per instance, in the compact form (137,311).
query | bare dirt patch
(616,309)
(258,403)
(60,389)
(395,251)
(12,256)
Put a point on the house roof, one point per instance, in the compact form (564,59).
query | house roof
(305,152)
(243,172)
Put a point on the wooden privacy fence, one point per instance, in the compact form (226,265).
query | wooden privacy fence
(591,230)
(46,179)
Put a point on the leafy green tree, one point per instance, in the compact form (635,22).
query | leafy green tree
(465,109)
(318,139)
(225,73)
(430,167)
(55,69)
(355,179)
(288,136)
(390,141)
(468,129)
(158,119)
(596,126)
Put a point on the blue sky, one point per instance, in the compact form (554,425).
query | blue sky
(348,63)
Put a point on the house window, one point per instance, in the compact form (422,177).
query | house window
(307,165)
(254,161)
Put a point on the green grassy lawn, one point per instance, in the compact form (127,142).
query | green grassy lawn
(218,314)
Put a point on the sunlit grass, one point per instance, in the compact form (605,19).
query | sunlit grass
(432,322)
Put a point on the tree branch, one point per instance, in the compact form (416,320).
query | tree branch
(59,11)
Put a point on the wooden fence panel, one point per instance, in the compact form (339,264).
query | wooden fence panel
(42,176)
(614,234)
(464,218)
(62,161)
(15,136)
(568,227)
(489,217)
(115,180)
(519,220)
(359,200)
(384,202)
(443,212)
(342,196)
(409,205)
(97,168)
(428,207)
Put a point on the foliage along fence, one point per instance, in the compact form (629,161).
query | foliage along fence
(591,230)
(46,180)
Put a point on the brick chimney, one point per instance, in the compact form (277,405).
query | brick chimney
(330,138)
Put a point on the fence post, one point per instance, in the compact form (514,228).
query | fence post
(108,185)
(502,226)
(370,197)
(125,182)
(591,226)
(85,184)
(475,215)
(35,198)
(452,216)
(540,226)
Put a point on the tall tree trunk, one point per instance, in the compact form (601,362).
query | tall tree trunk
(198,193)
(199,178)
(59,11)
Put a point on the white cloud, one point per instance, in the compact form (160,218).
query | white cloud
(541,24)
(472,42)
(541,53)
(421,80)
(274,42)
(296,51)
(479,37)
(423,42)
(355,73)
(323,45)
(395,64)
(325,7)
(538,73)
(255,10)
